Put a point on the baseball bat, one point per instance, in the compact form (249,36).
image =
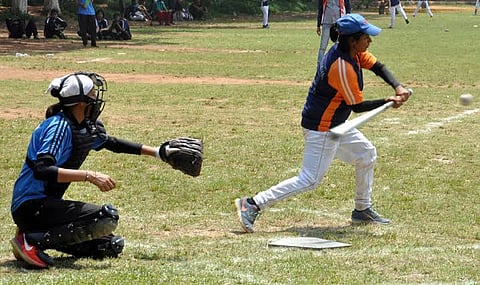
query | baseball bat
(344,128)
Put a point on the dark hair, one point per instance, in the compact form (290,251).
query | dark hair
(100,11)
(343,40)
(53,109)
(53,11)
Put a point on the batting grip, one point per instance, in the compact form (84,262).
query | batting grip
(344,128)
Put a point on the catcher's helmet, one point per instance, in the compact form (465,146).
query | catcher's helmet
(74,88)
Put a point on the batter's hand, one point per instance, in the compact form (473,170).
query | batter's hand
(401,96)
(104,182)
(402,92)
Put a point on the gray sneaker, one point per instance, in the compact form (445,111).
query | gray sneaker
(247,213)
(368,216)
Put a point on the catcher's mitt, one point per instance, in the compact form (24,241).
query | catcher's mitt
(184,154)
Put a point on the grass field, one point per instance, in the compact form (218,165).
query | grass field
(241,89)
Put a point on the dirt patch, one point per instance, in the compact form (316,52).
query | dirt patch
(8,73)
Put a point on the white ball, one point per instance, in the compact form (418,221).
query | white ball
(466,99)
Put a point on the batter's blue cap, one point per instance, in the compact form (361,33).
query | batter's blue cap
(354,23)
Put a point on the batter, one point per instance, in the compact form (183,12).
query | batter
(335,92)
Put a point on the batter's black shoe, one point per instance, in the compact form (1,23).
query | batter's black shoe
(368,216)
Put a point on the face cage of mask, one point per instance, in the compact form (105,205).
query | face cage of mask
(95,106)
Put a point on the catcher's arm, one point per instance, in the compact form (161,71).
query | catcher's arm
(184,154)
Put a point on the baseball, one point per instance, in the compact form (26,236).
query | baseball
(466,99)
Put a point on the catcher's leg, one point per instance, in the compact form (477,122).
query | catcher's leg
(107,246)
(102,223)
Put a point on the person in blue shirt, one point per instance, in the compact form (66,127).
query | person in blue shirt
(57,149)
(86,22)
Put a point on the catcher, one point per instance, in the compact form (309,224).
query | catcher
(57,149)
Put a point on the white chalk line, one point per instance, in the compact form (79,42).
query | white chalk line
(429,127)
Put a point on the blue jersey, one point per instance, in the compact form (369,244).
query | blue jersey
(394,2)
(85,7)
(53,137)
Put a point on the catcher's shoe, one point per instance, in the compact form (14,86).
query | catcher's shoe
(368,216)
(247,213)
(14,249)
(29,253)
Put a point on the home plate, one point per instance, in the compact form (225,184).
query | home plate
(307,242)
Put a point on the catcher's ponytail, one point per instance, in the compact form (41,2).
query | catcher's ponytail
(53,109)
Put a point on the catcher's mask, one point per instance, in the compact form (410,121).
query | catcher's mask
(73,92)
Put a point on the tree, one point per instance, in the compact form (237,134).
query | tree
(19,6)
(51,4)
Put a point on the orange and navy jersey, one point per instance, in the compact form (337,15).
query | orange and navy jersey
(337,85)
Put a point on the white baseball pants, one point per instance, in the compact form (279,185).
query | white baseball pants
(419,6)
(265,14)
(393,13)
(324,39)
(320,150)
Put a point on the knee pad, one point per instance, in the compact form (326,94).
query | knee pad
(102,224)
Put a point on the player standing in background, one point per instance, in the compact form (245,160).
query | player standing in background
(335,92)
(328,12)
(394,7)
(87,23)
(264,5)
(419,6)
(477,4)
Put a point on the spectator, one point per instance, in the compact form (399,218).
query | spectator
(86,22)
(198,11)
(180,13)
(477,4)
(161,13)
(143,8)
(17,29)
(119,29)
(102,25)
(54,26)
(135,13)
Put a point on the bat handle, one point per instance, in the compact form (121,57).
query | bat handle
(410,91)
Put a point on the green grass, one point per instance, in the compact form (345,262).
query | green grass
(182,230)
